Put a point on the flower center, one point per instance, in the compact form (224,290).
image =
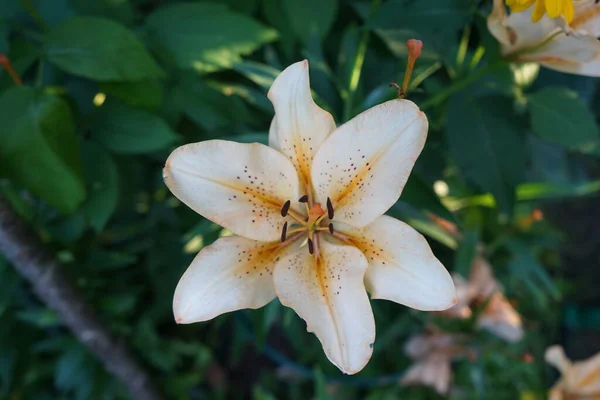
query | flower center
(318,221)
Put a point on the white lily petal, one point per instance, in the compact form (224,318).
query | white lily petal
(402,267)
(329,294)
(365,163)
(496,23)
(567,49)
(299,126)
(585,47)
(231,274)
(501,319)
(241,187)
(587,17)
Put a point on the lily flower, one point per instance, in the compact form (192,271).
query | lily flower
(554,8)
(498,316)
(307,217)
(433,353)
(580,380)
(550,42)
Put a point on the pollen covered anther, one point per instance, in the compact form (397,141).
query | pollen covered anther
(285,208)
(303,199)
(329,209)
(311,246)
(331,228)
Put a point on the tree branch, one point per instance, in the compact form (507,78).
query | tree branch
(20,245)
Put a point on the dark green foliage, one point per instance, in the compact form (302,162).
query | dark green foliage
(112,87)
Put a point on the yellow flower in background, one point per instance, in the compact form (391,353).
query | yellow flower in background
(307,217)
(551,42)
(554,8)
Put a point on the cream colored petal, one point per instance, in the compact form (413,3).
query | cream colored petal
(241,187)
(434,371)
(402,267)
(496,25)
(465,293)
(299,126)
(482,279)
(583,378)
(364,165)
(231,274)
(576,53)
(329,294)
(528,35)
(587,17)
(501,319)
(568,49)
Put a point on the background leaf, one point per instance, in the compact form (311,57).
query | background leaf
(39,148)
(487,144)
(185,34)
(128,130)
(560,117)
(100,49)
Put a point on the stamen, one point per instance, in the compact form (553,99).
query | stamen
(284,231)
(329,208)
(311,247)
(285,208)
(5,62)
(331,228)
(303,199)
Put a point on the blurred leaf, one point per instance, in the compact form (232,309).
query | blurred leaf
(127,130)
(73,373)
(145,94)
(4,47)
(40,317)
(261,74)
(100,49)
(466,252)
(530,191)
(102,178)
(55,11)
(22,55)
(121,10)
(39,148)
(560,117)
(310,18)
(437,22)
(420,195)
(422,223)
(487,145)
(204,36)
(8,8)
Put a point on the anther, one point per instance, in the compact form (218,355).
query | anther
(329,208)
(285,208)
(284,232)
(331,228)
(303,199)
(311,248)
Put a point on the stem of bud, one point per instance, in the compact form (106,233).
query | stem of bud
(414,51)
(5,62)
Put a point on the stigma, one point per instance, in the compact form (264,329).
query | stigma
(317,221)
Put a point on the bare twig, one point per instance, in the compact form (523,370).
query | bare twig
(20,245)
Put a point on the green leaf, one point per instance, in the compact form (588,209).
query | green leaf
(102,178)
(310,17)
(127,130)
(122,10)
(487,144)
(40,151)
(420,195)
(145,94)
(261,74)
(100,49)
(465,253)
(22,55)
(204,36)
(435,21)
(560,117)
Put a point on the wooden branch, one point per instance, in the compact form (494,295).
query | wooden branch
(21,246)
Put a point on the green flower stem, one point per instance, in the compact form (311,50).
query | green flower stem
(461,84)
(358,64)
